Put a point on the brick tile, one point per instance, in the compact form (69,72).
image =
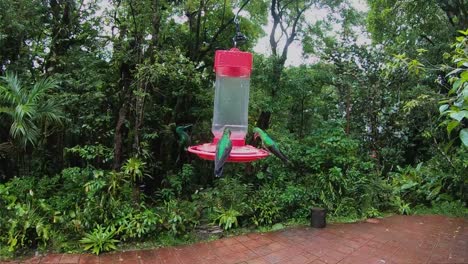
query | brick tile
(335,255)
(232,259)
(253,243)
(222,251)
(218,243)
(262,251)
(242,238)
(254,235)
(128,257)
(317,261)
(351,243)
(328,260)
(259,260)
(278,256)
(52,258)
(300,259)
(275,246)
(309,256)
(167,256)
(374,244)
(230,241)
(238,248)
(89,259)
(70,259)
(345,249)
(33,260)
(189,259)
(148,257)
(108,258)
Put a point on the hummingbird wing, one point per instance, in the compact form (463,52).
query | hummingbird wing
(277,152)
(223,149)
(272,147)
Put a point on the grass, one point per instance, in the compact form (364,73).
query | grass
(451,209)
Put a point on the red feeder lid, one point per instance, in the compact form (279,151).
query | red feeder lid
(245,153)
(233,63)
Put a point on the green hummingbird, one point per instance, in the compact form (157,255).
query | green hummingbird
(269,144)
(223,149)
(184,138)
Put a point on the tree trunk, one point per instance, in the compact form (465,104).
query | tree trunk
(125,81)
(348,110)
(263,121)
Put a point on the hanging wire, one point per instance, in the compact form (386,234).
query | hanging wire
(238,38)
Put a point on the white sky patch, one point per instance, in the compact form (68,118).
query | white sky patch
(295,52)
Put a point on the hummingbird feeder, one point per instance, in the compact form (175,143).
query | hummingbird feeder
(231,104)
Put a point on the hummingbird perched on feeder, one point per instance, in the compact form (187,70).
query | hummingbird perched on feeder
(183,140)
(223,150)
(269,144)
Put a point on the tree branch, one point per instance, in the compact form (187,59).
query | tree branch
(220,30)
(291,38)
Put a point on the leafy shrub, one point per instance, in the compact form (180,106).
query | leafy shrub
(295,201)
(137,223)
(450,208)
(24,217)
(266,205)
(228,194)
(179,216)
(227,218)
(436,180)
(100,239)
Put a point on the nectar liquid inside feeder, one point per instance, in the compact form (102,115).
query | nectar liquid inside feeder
(231,105)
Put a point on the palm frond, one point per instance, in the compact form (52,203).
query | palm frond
(29,109)
(24,131)
(40,88)
(12,91)
(6,110)
(50,112)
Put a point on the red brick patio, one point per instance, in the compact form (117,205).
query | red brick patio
(396,239)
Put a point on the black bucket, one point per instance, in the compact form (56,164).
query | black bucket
(318,217)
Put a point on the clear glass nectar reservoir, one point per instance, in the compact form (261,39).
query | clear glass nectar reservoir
(231,104)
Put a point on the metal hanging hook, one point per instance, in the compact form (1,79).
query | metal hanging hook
(238,37)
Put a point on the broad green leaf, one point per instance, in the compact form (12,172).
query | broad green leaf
(459,115)
(455,86)
(464,136)
(420,51)
(443,107)
(457,70)
(453,124)
(463,32)
(408,185)
(464,76)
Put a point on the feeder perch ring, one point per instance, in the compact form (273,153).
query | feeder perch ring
(245,153)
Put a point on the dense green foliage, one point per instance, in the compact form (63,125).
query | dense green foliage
(91,94)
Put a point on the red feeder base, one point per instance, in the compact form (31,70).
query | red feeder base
(245,153)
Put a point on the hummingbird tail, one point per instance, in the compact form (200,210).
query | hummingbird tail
(219,172)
